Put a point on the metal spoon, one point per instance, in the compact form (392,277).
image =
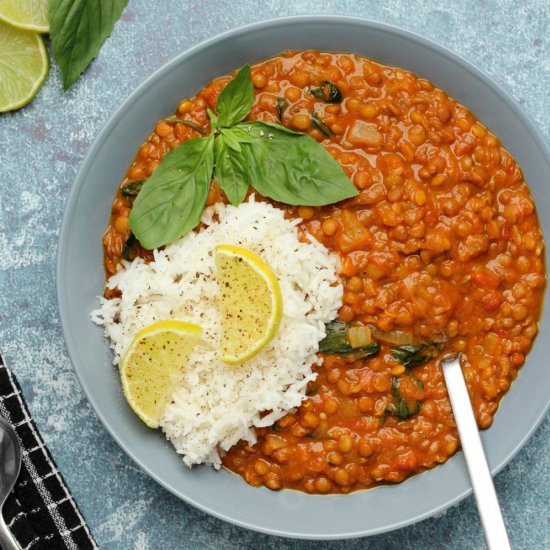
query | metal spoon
(10,464)
(480,475)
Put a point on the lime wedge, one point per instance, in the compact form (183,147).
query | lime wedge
(23,66)
(250,301)
(30,15)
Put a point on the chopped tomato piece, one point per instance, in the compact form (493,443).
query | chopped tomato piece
(485,279)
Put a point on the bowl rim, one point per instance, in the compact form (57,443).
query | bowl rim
(105,131)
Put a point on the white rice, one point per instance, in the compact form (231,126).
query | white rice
(217,404)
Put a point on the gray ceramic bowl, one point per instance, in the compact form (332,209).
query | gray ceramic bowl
(80,280)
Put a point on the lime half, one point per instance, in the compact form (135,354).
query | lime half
(23,66)
(30,15)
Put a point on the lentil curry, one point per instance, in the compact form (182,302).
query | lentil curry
(441,246)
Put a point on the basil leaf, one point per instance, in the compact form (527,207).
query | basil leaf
(172,200)
(231,169)
(78,29)
(231,139)
(235,100)
(279,127)
(213,118)
(292,168)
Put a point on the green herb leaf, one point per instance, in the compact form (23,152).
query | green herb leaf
(335,339)
(130,248)
(282,104)
(401,408)
(231,168)
(292,168)
(336,342)
(235,100)
(189,123)
(213,118)
(327,91)
(233,138)
(413,355)
(132,188)
(172,200)
(78,29)
(323,126)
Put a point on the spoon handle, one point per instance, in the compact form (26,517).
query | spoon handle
(480,475)
(7,541)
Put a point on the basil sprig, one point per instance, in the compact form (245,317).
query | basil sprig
(78,29)
(283,165)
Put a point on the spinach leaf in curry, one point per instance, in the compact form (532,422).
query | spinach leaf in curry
(413,355)
(336,342)
(282,104)
(132,188)
(322,126)
(327,91)
(401,407)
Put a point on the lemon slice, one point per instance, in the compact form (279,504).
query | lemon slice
(23,66)
(251,303)
(153,364)
(30,15)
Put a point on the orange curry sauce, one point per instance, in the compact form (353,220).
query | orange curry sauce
(442,239)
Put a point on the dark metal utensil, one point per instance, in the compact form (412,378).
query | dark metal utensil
(10,464)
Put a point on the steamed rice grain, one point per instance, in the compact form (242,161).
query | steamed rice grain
(217,404)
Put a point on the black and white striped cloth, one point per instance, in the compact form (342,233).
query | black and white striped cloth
(40,512)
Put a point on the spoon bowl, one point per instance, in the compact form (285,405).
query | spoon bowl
(10,465)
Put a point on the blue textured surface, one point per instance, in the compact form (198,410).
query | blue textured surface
(41,148)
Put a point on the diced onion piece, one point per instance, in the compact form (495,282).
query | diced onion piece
(393,338)
(363,133)
(359,337)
